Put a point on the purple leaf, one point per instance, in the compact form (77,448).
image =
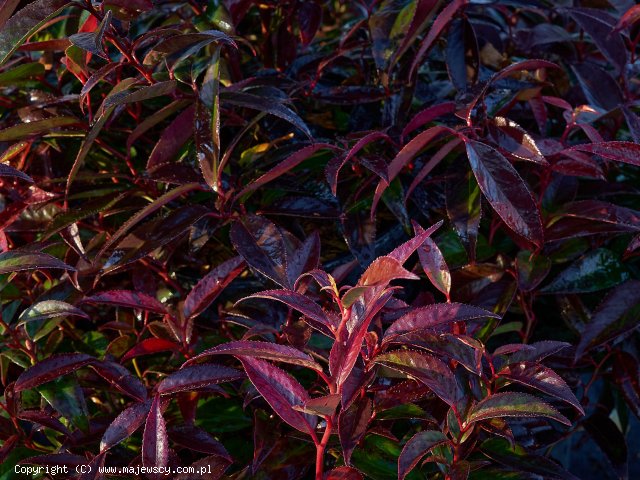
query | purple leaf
(264,350)
(462,53)
(352,425)
(435,316)
(194,377)
(198,440)
(626,152)
(124,425)
(532,269)
(425,368)
(214,466)
(262,246)
(17,261)
(610,439)
(511,404)
(382,271)
(129,299)
(505,190)
(600,27)
(314,315)
(433,263)
(428,115)
(464,209)
(309,20)
(343,473)
(543,379)
(155,444)
(616,315)
(9,171)
(51,369)
(417,447)
(281,391)
(43,418)
(320,406)
(177,133)
(211,285)
(512,138)
(305,258)
(120,377)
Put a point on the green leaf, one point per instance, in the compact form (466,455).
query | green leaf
(597,270)
(24,23)
(21,72)
(511,404)
(50,309)
(16,261)
(66,397)
(32,128)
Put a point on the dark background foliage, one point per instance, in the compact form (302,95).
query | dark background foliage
(321,239)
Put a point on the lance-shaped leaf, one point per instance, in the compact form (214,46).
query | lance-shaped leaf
(543,379)
(149,346)
(320,406)
(208,288)
(45,419)
(538,351)
(121,378)
(9,171)
(505,190)
(50,309)
(343,473)
(261,244)
(433,263)
(428,115)
(145,93)
(195,377)
(281,391)
(196,439)
(532,269)
(51,368)
(24,23)
(153,207)
(382,271)
(127,298)
(265,104)
(464,209)
(66,397)
(125,424)
(625,152)
(610,439)
(352,425)
(304,258)
(17,261)
(286,165)
(597,270)
(180,46)
(425,368)
(434,316)
(265,350)
(404,251)
(416,448)
(617,315)
(155,443)
(315,316)
(510,404)
(92,41)
(172,139)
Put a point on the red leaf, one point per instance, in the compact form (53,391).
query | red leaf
(417,447)
(195,377)
(343,473)
(435,316)
(305,258)
(383,270)
(404,251)
(352,425)
(507,193)
(543,379)
(425,368)
(149,346)
(155,444)
(626,152)
(124,425)
(516,405)
(264,350)
(433,263)
(209,287)
(428,115)
(320,406)
(127,298)
(45,419)
(50,369)
(281,391)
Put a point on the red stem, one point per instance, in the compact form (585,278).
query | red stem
(320,448)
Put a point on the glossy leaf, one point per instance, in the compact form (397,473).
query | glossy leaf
(50,369)
(516,405)
(149,346)
(125,424)
(281,391)
(352,425)
(50,309)
(416,448)
(505,190)
(155,443)
(9,171)
(625,152)
(210,286)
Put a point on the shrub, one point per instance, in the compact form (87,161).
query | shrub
(320,239)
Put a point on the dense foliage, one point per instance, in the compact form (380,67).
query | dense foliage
(321,239)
